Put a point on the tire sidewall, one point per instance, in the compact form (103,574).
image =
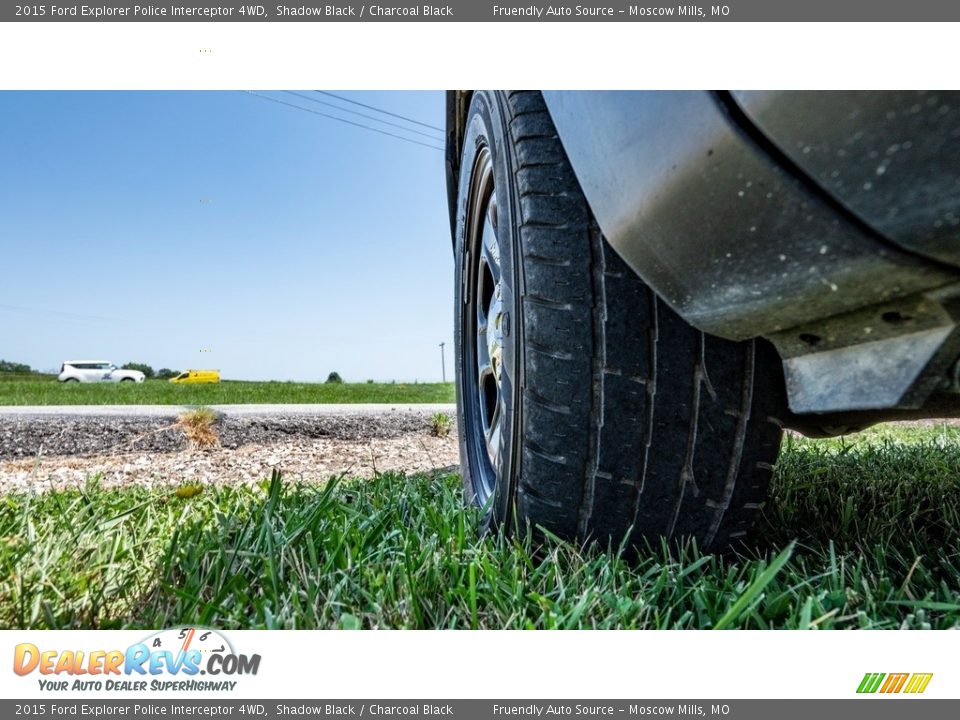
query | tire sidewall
(487,128)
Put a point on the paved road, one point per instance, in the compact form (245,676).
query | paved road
(162,411)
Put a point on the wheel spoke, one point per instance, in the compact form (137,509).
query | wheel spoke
(492,210)
(491,250)
(484,365)
(493,436)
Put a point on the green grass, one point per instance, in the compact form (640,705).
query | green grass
(859,533)
(26,377)
(161,392)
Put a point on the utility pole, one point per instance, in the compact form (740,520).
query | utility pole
(443,362)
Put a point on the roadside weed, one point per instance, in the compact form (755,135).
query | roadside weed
(197,425)
(441,424)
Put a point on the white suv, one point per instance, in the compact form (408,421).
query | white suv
(96,371)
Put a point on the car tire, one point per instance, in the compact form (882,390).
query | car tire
(587,407)
(123,380)
(70,380)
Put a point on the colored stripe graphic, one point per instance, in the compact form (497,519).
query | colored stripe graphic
(870,682)
(894,683)
(918,682)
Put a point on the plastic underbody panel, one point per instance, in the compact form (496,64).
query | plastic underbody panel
(723,221)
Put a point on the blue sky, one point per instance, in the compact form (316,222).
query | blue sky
(148,226)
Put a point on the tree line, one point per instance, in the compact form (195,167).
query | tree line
(8,366)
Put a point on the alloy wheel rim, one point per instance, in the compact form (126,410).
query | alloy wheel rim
(488,322)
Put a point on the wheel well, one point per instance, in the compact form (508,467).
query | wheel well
(458,103)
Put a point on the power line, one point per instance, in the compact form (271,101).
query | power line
(364,115)
(385,112)
(343,120)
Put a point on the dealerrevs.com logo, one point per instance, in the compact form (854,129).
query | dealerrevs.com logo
(182,659)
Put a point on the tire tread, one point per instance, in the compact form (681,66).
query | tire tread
(634,425)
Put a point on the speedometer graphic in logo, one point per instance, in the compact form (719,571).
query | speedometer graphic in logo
(181,640)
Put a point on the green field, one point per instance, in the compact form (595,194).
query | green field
(859,533)
(47,391)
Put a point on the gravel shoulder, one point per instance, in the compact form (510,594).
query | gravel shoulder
(40,452)
(26,412)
